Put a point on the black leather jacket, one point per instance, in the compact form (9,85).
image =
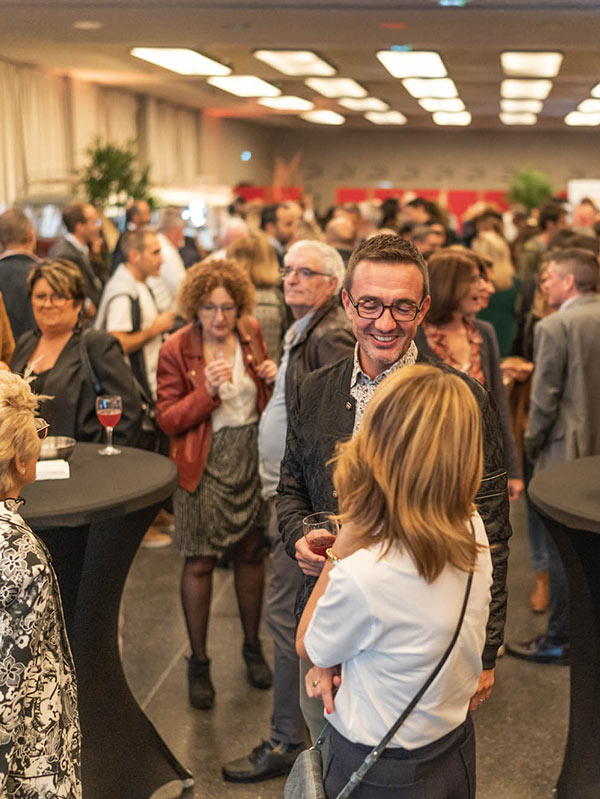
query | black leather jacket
(320,414)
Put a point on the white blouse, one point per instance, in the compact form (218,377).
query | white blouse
(238,407)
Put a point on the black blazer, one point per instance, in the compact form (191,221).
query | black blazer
(71,411)
(93,285)
(14,270)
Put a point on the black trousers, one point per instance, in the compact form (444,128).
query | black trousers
(444,769)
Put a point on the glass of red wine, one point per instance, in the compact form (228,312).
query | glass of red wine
(108,411)
(320,530)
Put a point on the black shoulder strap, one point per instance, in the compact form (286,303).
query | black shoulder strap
(136,359)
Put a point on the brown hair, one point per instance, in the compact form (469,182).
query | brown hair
(15,227)
(17,429)
(203,277)
(450,274)
(255,254)
(63,277)
(410,475)
(135,240)
(582,264)
(387,248)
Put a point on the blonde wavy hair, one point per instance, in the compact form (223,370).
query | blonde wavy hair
(410,475)
(255,254)
(18,434)
(202,278)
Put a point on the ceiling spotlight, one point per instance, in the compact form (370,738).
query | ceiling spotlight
(287,103)
(515,106)
(576,118)
(430,87)
(536,65)
(522,118)
(412,64)
(181,60)
(525,89)
(432,104)
(88,25)
(336,87)
(245,86)
(324,117)
(295,62)
(364,104)
(444,118)
(386,117)
(589,106)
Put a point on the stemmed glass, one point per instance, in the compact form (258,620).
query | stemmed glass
(108,411)
(320,530)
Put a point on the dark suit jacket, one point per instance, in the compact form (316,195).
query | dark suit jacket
(14,270)
(93,285)
(322,413)
(72,409)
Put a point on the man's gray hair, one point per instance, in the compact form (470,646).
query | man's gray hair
(331,260)
(169,217)
(582,264)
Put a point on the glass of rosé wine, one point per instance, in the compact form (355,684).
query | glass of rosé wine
(108,411)
(320,530)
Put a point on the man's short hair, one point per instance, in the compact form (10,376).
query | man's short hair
(421,232)
(72,214)
(331,260)
(135,209)
(135,240)
(169,217)
(15,227)
(551,212)
(568,239)
(386,248)
(268,215)
(582,264)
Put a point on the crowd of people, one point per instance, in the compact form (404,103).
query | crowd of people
(401,372)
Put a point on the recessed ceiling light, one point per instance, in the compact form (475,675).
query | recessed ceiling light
(430,87)
(245,86)
(386,117)
(538,65)
(520,118)
(589,106)
(515,106)
(432,104)
(295,62)
(88,25)
(287,103)
(364,104)
(412,64)
(181,60)
(526,89)
(596,90)
(336,87)
(444,118)
(324,117)
(576,118)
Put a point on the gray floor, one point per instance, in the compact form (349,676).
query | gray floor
(520,731)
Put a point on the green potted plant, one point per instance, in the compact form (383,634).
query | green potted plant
(530,187)
(112,176)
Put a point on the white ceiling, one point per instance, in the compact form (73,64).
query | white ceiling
(347,33)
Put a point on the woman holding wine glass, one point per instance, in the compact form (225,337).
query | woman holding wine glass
(61,358)
(213,380)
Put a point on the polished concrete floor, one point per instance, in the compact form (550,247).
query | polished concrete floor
(521,730)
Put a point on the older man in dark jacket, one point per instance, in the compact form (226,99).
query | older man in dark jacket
(386,297)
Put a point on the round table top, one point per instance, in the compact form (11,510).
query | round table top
(569,493)
(100,487)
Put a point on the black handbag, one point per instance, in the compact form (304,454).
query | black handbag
(305,780)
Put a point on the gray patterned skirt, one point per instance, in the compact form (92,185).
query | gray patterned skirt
(227,502)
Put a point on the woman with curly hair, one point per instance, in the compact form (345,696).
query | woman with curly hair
(213,380)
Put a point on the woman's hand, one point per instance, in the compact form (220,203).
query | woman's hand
(267,371)
(323,683)
(484,689)
(515,487)
(217,372)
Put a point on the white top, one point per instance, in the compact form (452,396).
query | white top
(114,314)
(172,271)
(389,628)
(240,409)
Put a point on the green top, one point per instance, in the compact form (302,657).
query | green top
(501,314)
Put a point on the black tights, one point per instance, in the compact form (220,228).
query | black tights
(249,577)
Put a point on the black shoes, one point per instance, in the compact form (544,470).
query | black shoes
(259,673)
(201,691)
(268,759)
(540,651)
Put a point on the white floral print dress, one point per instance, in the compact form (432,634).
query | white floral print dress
(40,739)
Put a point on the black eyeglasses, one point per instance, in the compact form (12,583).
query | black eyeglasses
(303,271)
(42,427)
(402,310)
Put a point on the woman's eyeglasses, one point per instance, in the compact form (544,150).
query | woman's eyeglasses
(53,299)
(42,427)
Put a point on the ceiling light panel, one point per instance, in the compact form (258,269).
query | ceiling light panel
(386,117)
(412,64)
(589,106)
(535,65)
(443,118)
(324,117)
(596,90)
(525,89)
(516,106)
(576,118)
(432,104)
(520,118)
(245,86)
(295,62)
(287,103)
(364,104)
(181,60)
(336,87)
(430,87)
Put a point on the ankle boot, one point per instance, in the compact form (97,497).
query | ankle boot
(201,691)
(259,673)
(538,601)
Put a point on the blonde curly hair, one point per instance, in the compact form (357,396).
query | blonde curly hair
(202,278)
(18,434)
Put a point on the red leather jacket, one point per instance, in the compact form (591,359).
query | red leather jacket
(184,406)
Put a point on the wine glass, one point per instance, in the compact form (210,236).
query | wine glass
(108,411)
(320,530)
(227,390)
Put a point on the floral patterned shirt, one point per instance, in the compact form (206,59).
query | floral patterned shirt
(438,342)
(40,739)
